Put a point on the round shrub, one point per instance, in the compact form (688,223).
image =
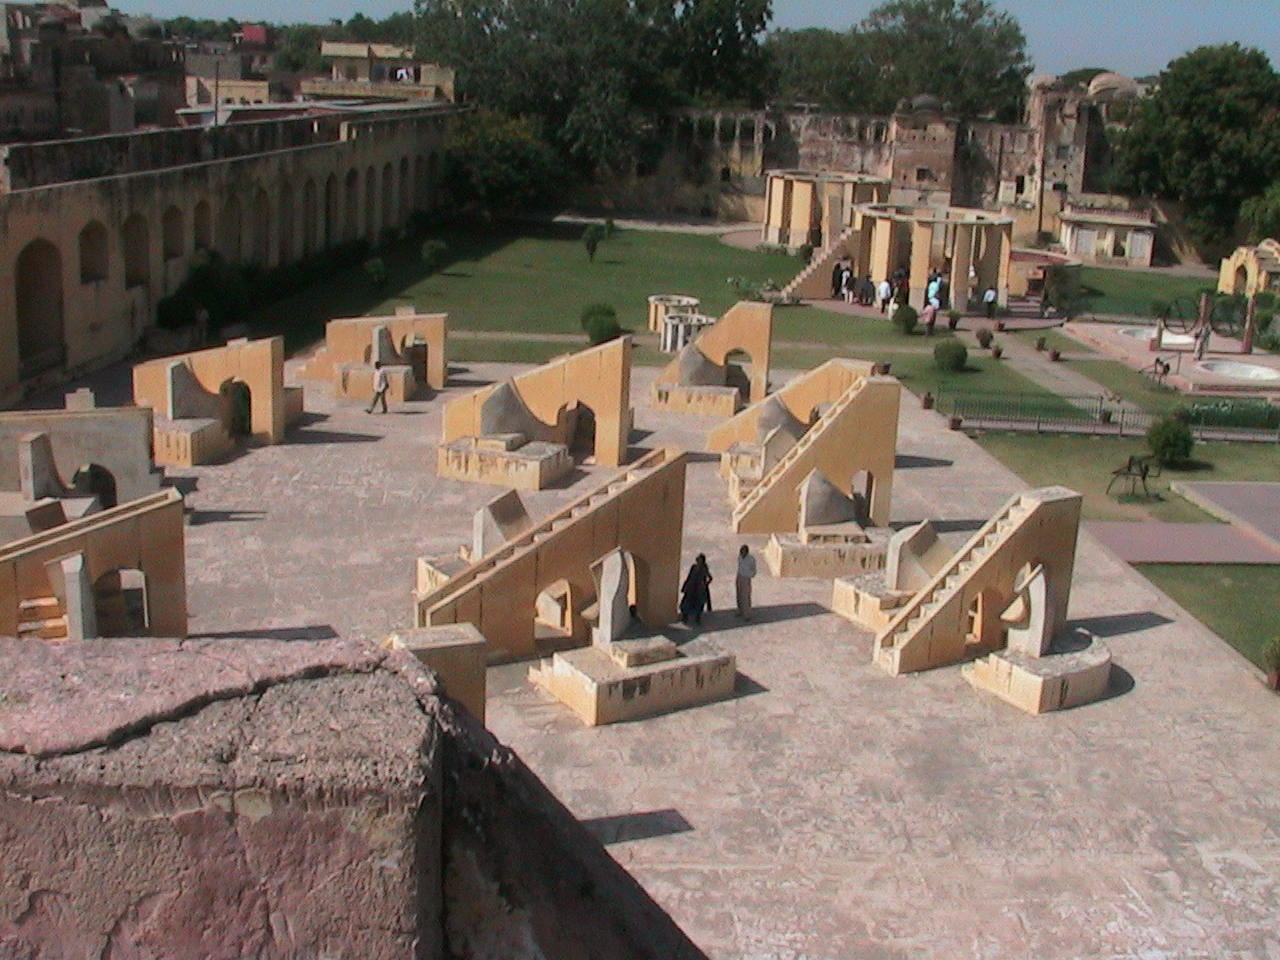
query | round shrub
(1170,439)
(601,329)
(950,355)
(176,311)
(594,310)
(904,318)
(432,253)
(984,336)
(375,268)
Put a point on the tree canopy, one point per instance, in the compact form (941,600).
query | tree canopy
(965,52)
(1208,137)
(968,54)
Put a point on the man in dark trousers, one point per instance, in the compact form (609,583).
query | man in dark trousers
(380,387)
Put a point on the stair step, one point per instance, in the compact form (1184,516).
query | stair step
(40,607)
(53,628)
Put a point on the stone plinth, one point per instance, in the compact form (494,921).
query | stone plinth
(533,466)
(1040,684)
(826,557)
(703,401)
(355,382)
(866,600)
(595,686)
(191,441)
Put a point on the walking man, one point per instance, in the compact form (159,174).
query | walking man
(989,298)
(742,582)
(380,387)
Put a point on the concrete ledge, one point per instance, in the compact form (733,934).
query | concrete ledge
(531,467)
(866,601)
(787,556)
(702,401)
(190,442)
(1040,684)
(599,690)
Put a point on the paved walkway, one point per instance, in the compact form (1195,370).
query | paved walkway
(1254,507)
(1151,542)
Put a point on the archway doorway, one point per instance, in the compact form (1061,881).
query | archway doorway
(95,480)
(38,295)
(738,367)
(120,602)
(237,407)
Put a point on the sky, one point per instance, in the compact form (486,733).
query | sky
(1134,37)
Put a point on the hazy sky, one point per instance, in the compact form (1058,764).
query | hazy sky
(1136,37)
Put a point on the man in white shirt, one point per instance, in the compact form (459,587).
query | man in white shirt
(886,294)
(989,298)
(742,582)
(380,387)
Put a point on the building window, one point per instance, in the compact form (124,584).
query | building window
(924,175)
(1020,185)
(1063,151)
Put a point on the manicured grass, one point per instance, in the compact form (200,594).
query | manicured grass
(1131,385)
(1053,340)
(1131,292)
(1085,464)
(1235,601)
(537,278)
(515,349)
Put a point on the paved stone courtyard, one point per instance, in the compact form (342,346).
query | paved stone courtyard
(828,810)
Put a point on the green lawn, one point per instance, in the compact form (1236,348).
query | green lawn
(1235,601)
(539,279)
(1130,385)
(1131,292)
(1053,339)
(1085,464)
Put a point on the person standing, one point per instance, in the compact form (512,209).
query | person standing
(989,298)
(742,582)
(380,387)
(886,294)
(837,273)
(695,592)
(846,281)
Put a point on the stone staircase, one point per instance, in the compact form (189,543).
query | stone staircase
(823,259)
(916,616)
(41,618)
(750,497)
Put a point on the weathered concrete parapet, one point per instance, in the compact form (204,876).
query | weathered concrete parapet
(410,345)
(696,379)
(269,799)
(200,399)
(524,432)
(543,577)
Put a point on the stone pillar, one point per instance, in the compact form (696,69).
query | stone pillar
(961,263)
(1250,321)
(989,258)
(77,599)
(921,251)
(1005,247)
(881,253)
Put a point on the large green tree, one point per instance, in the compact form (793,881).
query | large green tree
(823,67)
(1208,137)
(595,74)
(966,52)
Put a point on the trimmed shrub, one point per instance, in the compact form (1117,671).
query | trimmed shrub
(1170,439)
(375,268)
(432,253)
(805,252)
(592,238)
(176,311)
(950,355)
(595,310)
(601,329)
(985,336)
(904,318)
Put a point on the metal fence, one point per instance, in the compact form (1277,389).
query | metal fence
(1097,416)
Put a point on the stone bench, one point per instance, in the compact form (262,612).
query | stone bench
(190,442)
(502,459)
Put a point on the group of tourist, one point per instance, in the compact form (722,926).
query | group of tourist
(695,592)
(844,286)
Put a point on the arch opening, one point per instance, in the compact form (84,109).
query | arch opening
(136,240)
(38,295)
(121,603)
(95,480)
(237,408)
(94,263)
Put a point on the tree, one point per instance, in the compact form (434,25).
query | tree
(498,164)
(591,238)
(1081,77)
(965,52)
(717,45)
(1208,137)
(1260,215)
(823,67)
